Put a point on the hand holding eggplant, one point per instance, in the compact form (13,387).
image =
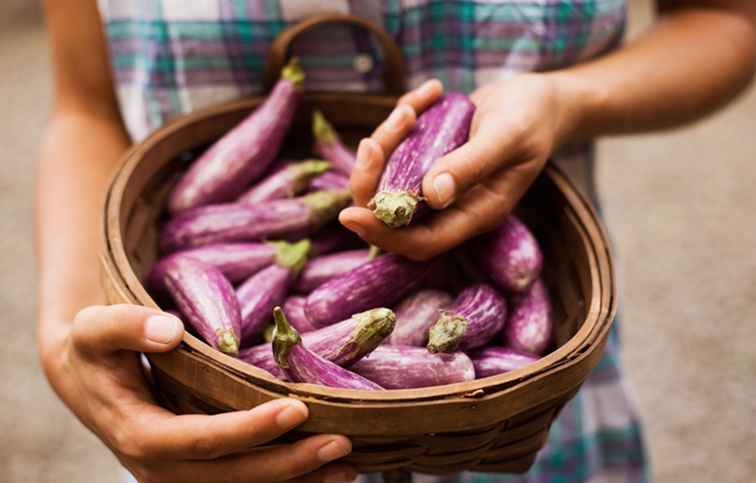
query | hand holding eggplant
(517,125)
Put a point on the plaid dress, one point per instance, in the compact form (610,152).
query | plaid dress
(175,56)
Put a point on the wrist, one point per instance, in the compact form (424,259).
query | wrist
(578,104)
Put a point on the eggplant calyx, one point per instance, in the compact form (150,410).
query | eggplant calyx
(293,72)
(322,130)
(284,339)
(311,167)
(446,334)
(227,342)
(292,255)
(325,205)
(373,326)
(395,209)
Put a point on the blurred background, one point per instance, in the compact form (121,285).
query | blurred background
(681,207)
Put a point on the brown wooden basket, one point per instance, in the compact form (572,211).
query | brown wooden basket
(496,424)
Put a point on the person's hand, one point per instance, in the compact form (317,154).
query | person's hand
(100,376)
(517,124)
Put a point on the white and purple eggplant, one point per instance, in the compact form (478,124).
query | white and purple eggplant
(294,310)
(478,314)
(530,325)
(509,255)
(242,155)
(416,314)
(329,181)
(237,261)
(321,269)
(204,297)
(380,282)
(268,288)
(490,361)
(247,222)
(343,343)
(405,367)
(286,182)
(332,238)
(329,146)
(303,365)
(440,129)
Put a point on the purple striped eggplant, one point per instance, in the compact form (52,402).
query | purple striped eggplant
(294,310)
(509,255)
(378,283)
(244,222)
(204,297)
(288,181)
(343,343)
(478,314)
(237,261)
(268,288)
(333,237)
(405,367)
(261,356)
(530,325)
(321,269)
(329,180)
(416,314)
(440,129)
(329,146)
(302,365)
(242,155)
(490,361)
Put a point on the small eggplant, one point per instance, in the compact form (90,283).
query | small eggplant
(204,297)
(321,269)
(294,310)
(302,365)
(530,325)
(237,261)
(404,367)
(490,361)
(479,313)
(416,314)
(286,182)
(329,146)
(329,181)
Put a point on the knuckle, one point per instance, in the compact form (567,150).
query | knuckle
(128,443)
(206,446)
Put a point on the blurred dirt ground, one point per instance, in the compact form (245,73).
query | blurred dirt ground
(681,207)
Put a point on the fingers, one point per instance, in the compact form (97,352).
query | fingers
(105,329)
(165,436)
(421,98)
(395,128)
(367,171)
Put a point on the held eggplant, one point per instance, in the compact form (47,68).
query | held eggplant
(530,325)
(478,313)
(245,152)
(490,361)
(343,343)
(416,314)
(509,255)
(321,269)
(244,222)
(329,146)
(405,367)
(302,365)
(378,283)
(204,297)
(268,288)
(440,129)
(294,310)
(237,261)
(330,180)
(286,182)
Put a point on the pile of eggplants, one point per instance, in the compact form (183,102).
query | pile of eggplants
(254,263)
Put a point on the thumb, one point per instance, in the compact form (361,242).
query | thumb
(105,329)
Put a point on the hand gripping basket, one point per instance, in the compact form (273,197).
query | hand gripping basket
(496,424)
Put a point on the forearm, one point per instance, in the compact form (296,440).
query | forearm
(79,152)
(693,61)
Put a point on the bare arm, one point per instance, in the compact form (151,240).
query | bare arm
(90,352)
(698,56)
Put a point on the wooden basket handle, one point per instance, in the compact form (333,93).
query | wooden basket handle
(393,72)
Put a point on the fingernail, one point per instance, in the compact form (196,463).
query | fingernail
(357,229)
(291,415)
(427,88)
(343,477)
(443,184)
(365,154)
(333,450)
(396,119)
(162,329)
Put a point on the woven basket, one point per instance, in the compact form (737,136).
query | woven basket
(496,424)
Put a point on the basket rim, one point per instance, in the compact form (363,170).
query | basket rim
(600,313)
